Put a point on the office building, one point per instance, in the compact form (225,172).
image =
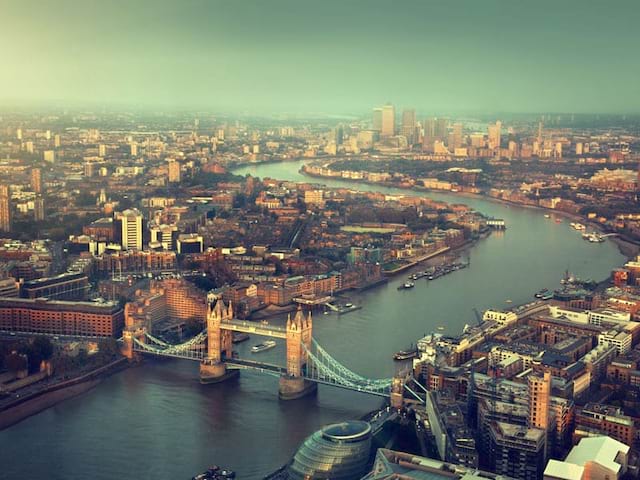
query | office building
(131,229)
(455,137)
(163,236)
(49,156)
(494,135)
(435,130)
(36,180)
(38,209)
(55,317)
(190,243)
(388,127)
(67,286)
(408,128)
(5,208)
(377,120)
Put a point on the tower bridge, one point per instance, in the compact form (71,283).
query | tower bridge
(307,362)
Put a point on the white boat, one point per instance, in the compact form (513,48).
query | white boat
(261,347)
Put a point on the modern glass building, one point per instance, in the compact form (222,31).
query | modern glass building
(338,451)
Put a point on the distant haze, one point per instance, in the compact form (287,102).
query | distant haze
(324,55)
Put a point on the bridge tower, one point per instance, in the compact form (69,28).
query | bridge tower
(219,344)
(299,332)
(133,329)
(397,392)
(128,335)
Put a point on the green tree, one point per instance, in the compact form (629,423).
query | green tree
(15,362)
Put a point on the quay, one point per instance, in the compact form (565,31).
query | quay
(415,261)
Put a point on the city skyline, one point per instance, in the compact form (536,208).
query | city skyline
(329,57)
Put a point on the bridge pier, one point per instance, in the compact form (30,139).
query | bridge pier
(292,388)
(215,372)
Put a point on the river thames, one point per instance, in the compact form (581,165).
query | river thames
(156,421)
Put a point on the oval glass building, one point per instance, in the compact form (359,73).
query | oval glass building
(338,451)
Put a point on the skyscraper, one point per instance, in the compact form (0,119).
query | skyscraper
(441,129)
(494,134)
(408,128)
(388,121)
(36,180)
(435,129)
(131,228)
(429,136)
(38,209)
(5,208)
(455,137)
(540,126)
(377,119)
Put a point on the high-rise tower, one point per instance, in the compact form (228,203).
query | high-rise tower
(408,128)
(5,208)
(388,128)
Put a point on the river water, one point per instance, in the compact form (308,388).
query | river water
(157,422)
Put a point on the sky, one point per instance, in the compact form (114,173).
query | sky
(338,56)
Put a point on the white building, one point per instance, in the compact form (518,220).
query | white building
(131,221)
(619,339)
(594,458)
(503,318)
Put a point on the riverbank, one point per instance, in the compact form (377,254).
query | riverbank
(627,247)
(34,403)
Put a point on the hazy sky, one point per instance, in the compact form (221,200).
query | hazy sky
(325,55)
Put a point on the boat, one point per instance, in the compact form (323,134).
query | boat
(348,305)
(406,285)
(508,301)
(239,337)
(558,220)
(547,296)
(541,293)
(405,354)
(261,347)
(546,215)
(215,473)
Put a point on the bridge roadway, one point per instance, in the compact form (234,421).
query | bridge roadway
(273,331)
(268,368)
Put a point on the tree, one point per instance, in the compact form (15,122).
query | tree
(108,348)
(43,347)
(15,362)
(193,326)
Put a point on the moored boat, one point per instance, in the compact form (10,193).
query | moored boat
(239,337)
(406,354)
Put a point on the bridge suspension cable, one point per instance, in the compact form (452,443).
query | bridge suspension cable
(324,358)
